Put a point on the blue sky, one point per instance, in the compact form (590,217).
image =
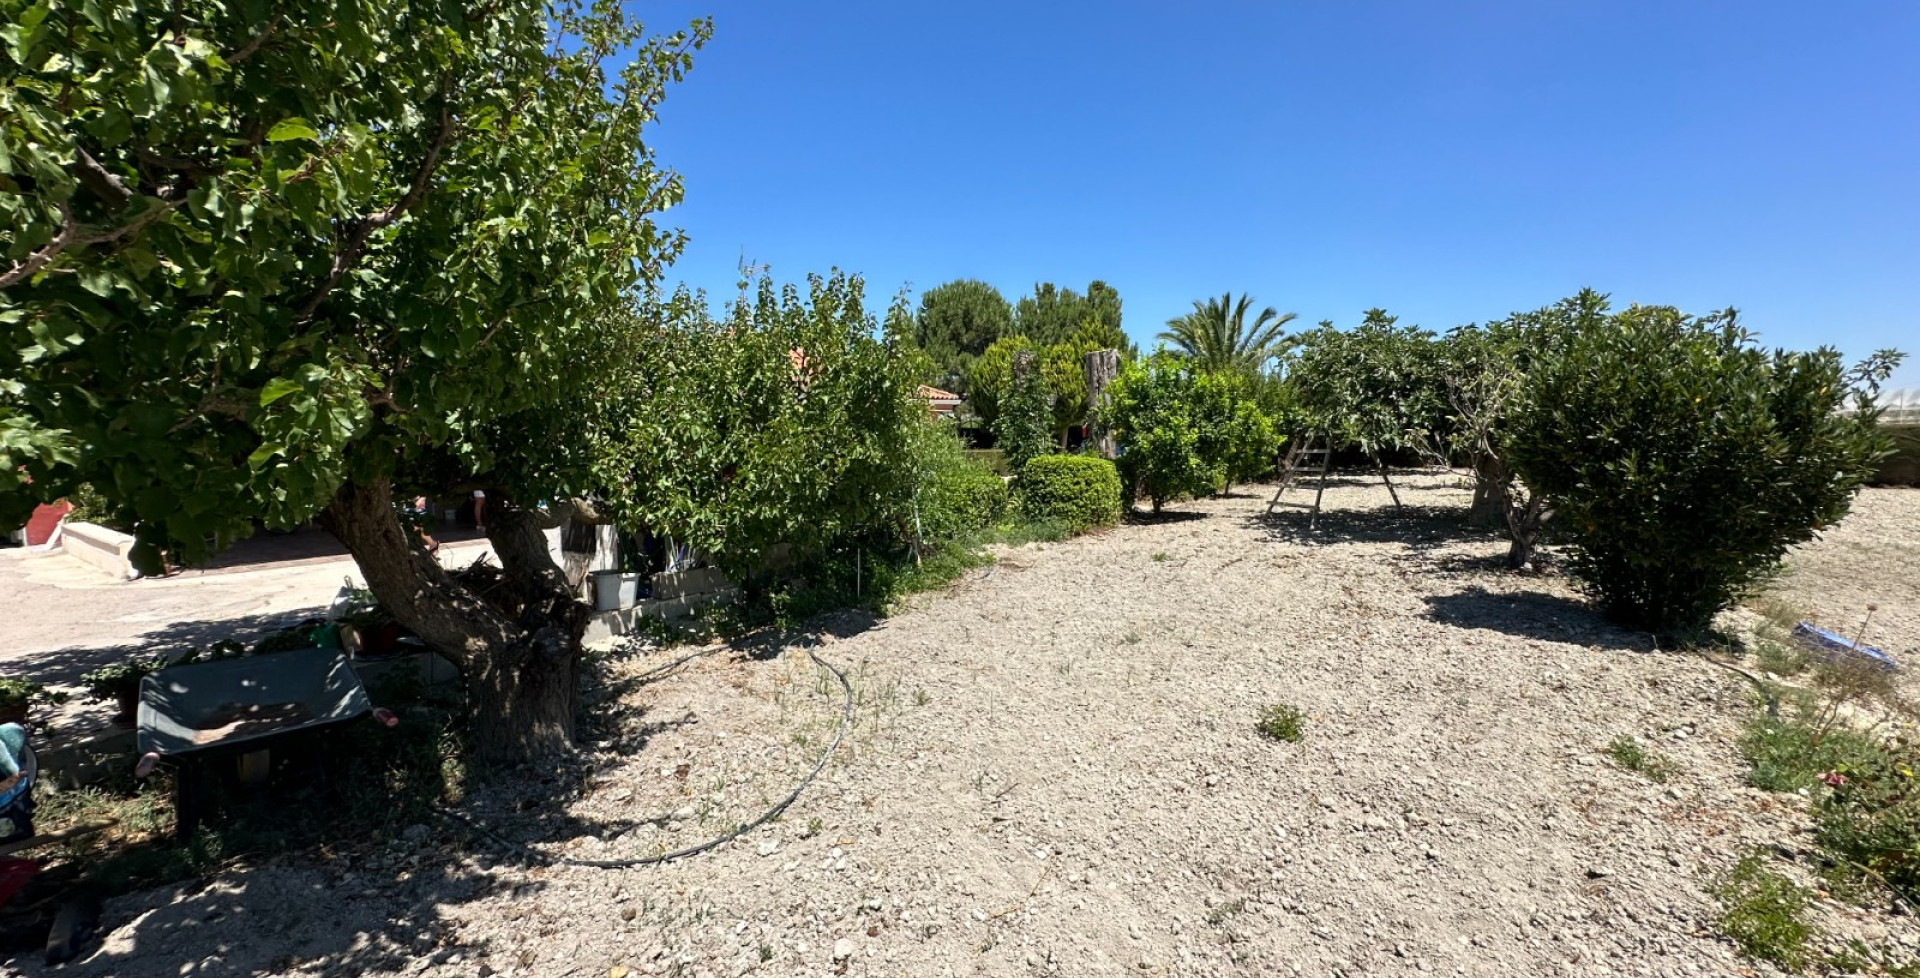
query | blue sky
(1450,162)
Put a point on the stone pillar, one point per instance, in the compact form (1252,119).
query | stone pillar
(1101,366)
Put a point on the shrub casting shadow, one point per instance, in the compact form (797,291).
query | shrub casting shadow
(1532,614)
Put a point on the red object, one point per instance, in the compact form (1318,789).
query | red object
(46,518)
(14,874)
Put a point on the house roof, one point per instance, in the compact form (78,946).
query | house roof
(936,394)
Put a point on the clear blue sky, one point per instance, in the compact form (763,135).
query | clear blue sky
(1449,161)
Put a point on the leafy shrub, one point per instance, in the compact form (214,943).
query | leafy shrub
(1237,439)
(1870,816)
(1151,411)
(1280,721)
(16,693)
(1077,491)
(1684,460)
(957,494)
(1765,913)
(788,422)
(109,681)
(1024,429)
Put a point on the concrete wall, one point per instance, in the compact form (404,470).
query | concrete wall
(109,550)
(1903,468)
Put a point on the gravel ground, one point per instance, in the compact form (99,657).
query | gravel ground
(1054,770)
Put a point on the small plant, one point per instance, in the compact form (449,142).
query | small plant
(1780,658)
(766,953)
(920,697)
(1870,815)
(1219,914)
(1280,721)
(1627,752)
(1791,751)
(16,694)
(1765,913)
(1160,558)
(120,678)
(814,827)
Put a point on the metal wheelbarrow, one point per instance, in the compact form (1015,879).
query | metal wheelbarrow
(234,708)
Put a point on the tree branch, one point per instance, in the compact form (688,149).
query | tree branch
(73,234)
(355,244)
(101,181)
(247,51)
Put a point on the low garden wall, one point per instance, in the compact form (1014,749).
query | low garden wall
(1902,468)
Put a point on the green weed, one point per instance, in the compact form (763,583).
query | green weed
(1628,753)
(1765,913)
(1280,721)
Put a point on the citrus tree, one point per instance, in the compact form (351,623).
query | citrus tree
(787,421)
(1152,410)
(259,264)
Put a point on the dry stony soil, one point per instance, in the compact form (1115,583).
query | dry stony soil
(1054,769)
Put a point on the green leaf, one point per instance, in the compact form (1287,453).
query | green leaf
(276,389)
(287,130)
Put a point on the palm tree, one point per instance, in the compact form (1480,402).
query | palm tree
(1216,335)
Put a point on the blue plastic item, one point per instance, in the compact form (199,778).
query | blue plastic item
(1832,644)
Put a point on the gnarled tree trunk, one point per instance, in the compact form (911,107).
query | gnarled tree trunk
(517,644)
(1489,491)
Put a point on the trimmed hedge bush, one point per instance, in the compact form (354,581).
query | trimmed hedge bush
(1076,491)
(961,500)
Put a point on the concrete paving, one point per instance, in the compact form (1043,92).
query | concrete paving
(60,618)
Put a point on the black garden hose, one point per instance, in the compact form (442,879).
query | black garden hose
(846,721)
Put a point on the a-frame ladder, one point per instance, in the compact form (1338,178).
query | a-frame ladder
(1312,454)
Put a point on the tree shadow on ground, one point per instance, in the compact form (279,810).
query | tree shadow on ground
(1416,525)
(65,666)
(340,917)
(1164,517)
(1532,614)
(539,810)
(337,864)
(353,898)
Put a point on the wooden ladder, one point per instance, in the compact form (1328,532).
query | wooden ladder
(1308,449)
(1304,457)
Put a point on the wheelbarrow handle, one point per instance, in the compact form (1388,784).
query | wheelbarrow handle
(386,717)
(146,764)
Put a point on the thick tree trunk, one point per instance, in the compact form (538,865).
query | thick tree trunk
(518,645)
(1524,519)
(1489,491)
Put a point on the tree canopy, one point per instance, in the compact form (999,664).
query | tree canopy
(1052,314)
(956,323)
(1380,384)
(260,265)
(1217,336)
